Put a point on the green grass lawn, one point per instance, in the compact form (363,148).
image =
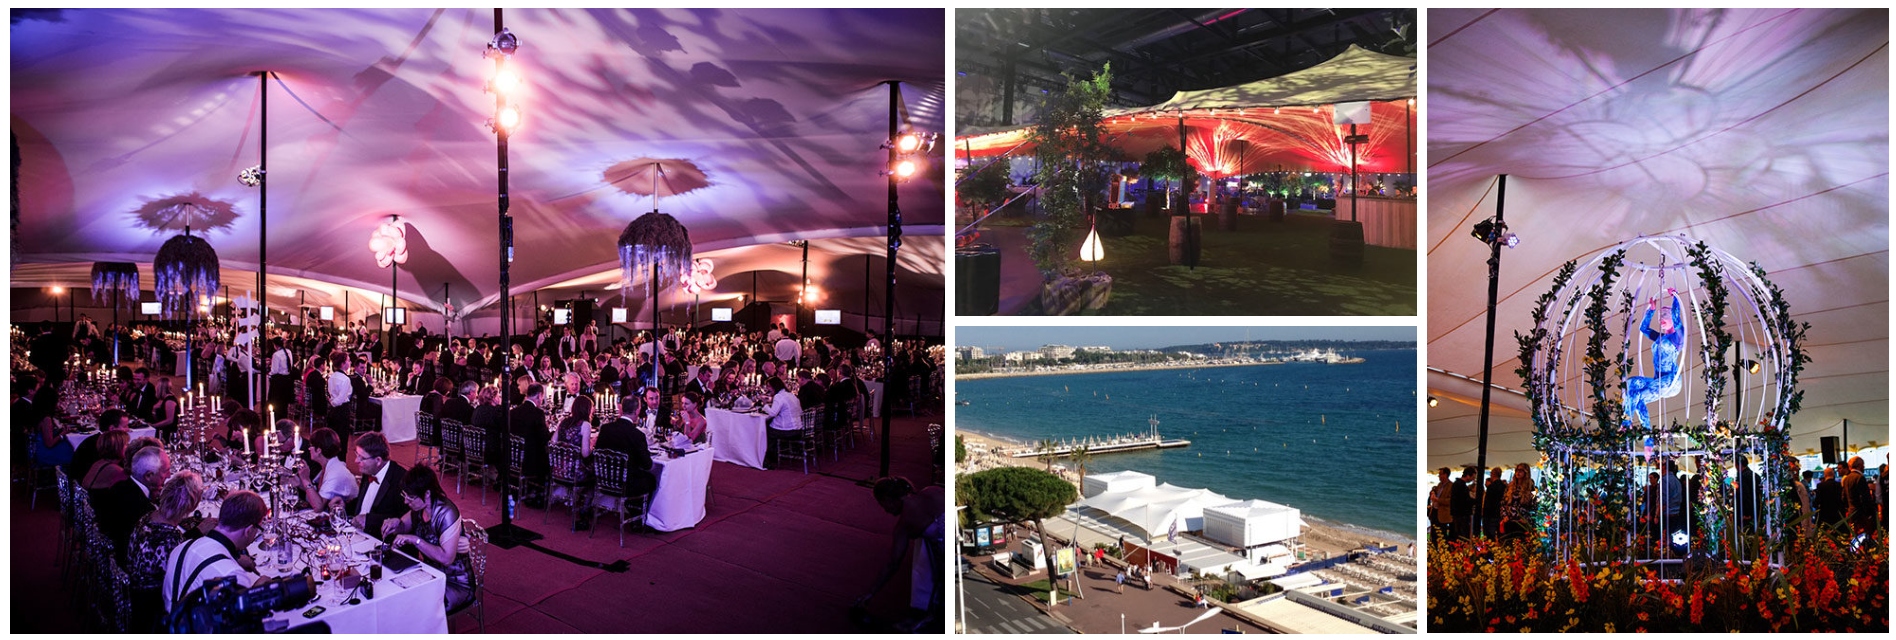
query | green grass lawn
(1263,268)
(1038,589)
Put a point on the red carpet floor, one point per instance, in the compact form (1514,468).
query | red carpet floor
(777,552)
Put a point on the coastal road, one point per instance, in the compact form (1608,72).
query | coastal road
(991,609)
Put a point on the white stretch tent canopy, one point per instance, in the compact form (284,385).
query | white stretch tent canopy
(1764,133)
(1117,481)
(1154,509)
(771,123)
(1251,523)
(1287,121)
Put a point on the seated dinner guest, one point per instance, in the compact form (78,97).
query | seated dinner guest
(623,435)
(87,453)
(377,493)
(458,407)
(785,418)
(431,527)
(109,469)
(703,385)
(528,421)
(491,419)
(331,486)
(156,535)
(691,416)
(120,507)
(219,553)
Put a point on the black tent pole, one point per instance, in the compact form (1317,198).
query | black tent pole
(895,244)
(507,535)
(263,230)
(1487,362)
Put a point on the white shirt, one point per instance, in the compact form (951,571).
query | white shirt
(788,350)
(336,481)
(774,334)
(786,412)
(141,487)
(280,363)
(340,388)
(369,494)
(195,552)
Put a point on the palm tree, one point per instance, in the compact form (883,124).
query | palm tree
(1045,447)
(1079,456)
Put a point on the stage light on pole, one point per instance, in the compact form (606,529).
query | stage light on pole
(1434,401)
(1752,366)
(903,169)
(504,44)
(908,143)
(505,80)
(57,290)
(505,120)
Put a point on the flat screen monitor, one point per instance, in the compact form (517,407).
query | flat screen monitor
(151,308)
(396,315)
(721,315)
(618,314)
(329,313)
(562,316)
(829,316)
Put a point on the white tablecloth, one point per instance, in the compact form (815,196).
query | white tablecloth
(398,416)
(679,501)
(417,609)
(737,438)
(75,438)
(875,398)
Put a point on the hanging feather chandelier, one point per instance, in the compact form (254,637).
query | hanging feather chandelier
(110,277)
(655,245)
(186,268)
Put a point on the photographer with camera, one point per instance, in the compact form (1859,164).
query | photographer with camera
(219,553)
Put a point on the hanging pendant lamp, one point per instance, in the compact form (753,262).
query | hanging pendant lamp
(186,267)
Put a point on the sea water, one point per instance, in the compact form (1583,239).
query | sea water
(1336,441)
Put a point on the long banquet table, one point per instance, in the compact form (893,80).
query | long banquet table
(398,416)
(410,602)
(76,438)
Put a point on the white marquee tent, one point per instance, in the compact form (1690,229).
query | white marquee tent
(1252,523)
(1764,133)
(127,121)
(1155,509)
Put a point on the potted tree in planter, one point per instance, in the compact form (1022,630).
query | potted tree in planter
(1164,163)
(978,265)
(1067,144)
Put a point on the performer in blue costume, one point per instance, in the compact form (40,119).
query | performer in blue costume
(1668,347)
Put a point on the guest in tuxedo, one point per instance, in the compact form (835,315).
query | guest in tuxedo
(1491,499)
(366,412)
(623,435)
(341,415)
(528,420)
(809,393)
(458,407)
(703,385)
(416,382)
(316,389)
(608,371)
(1462,501)
(141,396)
(120,506)
(378,492)
(844,389)
(1831,506)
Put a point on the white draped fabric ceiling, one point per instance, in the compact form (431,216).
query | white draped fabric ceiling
(1764,133)
(770,121)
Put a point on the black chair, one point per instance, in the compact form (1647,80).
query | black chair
(474,458)
(453,457)
(38,476)
(516,463)
(805,442)
(611,471)
(476,539)
(565,468)
(427,438)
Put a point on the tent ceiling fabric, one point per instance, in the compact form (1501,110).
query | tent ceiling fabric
(1287,120)
(1762,132)
(382,112)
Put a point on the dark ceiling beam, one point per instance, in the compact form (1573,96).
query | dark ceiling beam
(1297,30)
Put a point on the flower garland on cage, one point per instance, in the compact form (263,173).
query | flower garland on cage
(1546,431)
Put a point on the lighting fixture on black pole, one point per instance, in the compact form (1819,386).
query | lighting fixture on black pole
(390,244)
(501,49)
(1494,233)
(906,154)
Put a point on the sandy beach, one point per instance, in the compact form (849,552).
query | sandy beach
(1069,372)
(1328,537)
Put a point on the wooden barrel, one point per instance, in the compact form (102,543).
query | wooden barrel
(1346,243)
(1183,247)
